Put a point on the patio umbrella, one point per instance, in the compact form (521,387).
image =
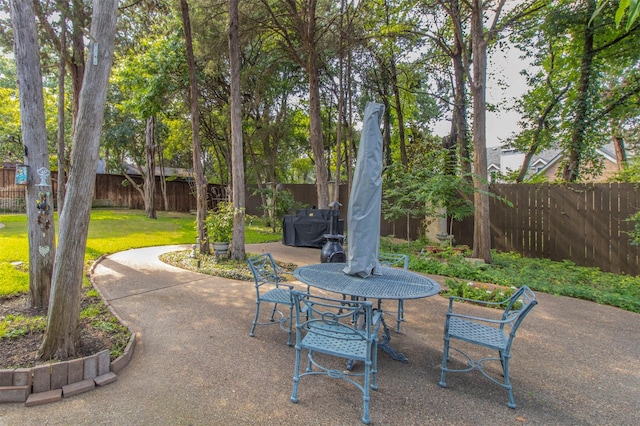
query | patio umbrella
(365,199)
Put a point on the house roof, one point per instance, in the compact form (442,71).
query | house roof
(555,155)
(541,161)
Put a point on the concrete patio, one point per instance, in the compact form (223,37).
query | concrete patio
(574,362)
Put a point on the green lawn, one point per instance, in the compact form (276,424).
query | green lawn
(110,231)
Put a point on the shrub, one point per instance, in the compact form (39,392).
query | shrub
(219,223)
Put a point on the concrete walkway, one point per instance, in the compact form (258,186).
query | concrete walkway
(574,362)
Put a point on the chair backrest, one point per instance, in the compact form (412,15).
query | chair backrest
(334,318)
(394,259)
(264,270)
(517,307)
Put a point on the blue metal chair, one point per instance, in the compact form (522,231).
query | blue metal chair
(341,328)
(269,289)
(399,260)
(490,333)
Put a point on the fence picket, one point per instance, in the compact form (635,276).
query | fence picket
(585,223)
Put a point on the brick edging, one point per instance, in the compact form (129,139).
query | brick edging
(51,382)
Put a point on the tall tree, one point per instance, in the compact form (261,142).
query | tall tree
(579,98)
(152,80)
(150,172)
(198,170)
(452,38)
(571,168)
(481,13)
(36,153)
(297,24)
(539,107)
(237,158)
(62,333)
(60,138)
(480,38)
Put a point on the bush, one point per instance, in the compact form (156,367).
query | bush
(219,223)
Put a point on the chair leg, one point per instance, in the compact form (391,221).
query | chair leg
(366,419)
(507,382)
(445,358)
(296,377)
(273,311)
(309,358)
(374,367)
(255,320)
(290,324)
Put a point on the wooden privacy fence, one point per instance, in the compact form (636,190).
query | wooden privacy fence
(584,223)
(116,191)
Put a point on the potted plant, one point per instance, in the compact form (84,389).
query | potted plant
(219,224)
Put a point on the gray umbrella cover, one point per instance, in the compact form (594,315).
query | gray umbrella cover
(365,199)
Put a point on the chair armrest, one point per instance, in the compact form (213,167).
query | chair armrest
(498,312)
(474,318)
(475,301)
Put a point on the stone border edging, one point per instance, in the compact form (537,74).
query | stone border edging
(51,382)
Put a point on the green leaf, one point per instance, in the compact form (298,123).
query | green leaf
(624,4)
(634,12)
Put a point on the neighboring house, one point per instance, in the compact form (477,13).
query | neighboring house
(168,171)
(503,161)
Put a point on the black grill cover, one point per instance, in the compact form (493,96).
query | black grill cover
(308,227)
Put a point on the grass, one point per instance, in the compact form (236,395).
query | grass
(110,231)
(116,230)
(19,325)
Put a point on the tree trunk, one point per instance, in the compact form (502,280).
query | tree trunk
(400,116)
(340,114)
(460,61)
(198,169)
(36,154)
(482,224)
(77,65)
(386,129)
(461,127)
(163,180)
(237,157)
(571,169)
(316,139)
(349,152)
(62,164)
(315,113)
(61,337)
(76,62)
(150,175)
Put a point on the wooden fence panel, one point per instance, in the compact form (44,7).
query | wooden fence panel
(578,243)
(592,211)
(625,249)
(7,177)
(541,219)
(587,224)
(499,220)
(504,221)
(560,223)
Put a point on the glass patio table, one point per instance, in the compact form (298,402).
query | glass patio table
(386,284)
